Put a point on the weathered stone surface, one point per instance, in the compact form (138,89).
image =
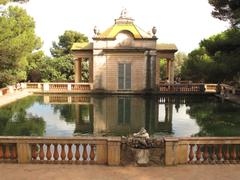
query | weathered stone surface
(142,157)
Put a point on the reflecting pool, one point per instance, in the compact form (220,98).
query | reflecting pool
(62,115)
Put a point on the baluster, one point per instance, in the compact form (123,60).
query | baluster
(198,154)
(7,152)
(226,155)
(205,154)
(191,154)
(55,154)
(34,151)
(233,154)
(92,153)
(219,155)
(77,154)
(85,155)
(14,152)
(1,152)
(41,153)
(213,156)
(49,154)
(63,154)
(70,154)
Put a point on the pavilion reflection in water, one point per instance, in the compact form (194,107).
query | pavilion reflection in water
(118,115)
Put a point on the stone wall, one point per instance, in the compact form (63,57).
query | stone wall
(138,70)
(130,152)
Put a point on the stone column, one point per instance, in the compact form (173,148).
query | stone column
(168,70)
(171,71)
(77,70)
(90,69)
(157,70)
(152,73)
(147,69)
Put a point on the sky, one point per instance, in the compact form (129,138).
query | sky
(183,22)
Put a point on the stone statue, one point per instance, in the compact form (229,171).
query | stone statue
(141,134)
(124,13)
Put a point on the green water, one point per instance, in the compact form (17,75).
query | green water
(57,115)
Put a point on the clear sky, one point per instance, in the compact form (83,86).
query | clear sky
(183,22)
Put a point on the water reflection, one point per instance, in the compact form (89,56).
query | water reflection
(62,115)
(120,115)
(15,121)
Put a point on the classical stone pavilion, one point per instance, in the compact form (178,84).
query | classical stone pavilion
(124,58)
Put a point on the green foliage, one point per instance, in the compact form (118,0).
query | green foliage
(60,68)
(16,122)
(227,10)
(46,69)
(17,41)
(216,119)
(4,2)
(180,57)
(163,64)
(217,59)
(65,42)
(67,112)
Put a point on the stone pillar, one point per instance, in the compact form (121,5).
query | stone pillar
(102,152)
(157,70)
(168,70)
(182,153)
(77,70)
(168,112)
(69,87)
(147,67)
(152,73)
(46,99)
(91,69)
(172,71)
(23,153)
(45,87)
(171,150)
(77,111)
(114,145)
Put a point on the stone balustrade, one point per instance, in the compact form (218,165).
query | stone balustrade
(116,151)
(77,150)
(210,88)
(192,88)
(4,91)
(202,150)
(59,87)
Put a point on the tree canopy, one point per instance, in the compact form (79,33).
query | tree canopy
(216,60)
(7,1)
(65,42)
(17,41)
(227,10)
(60,67)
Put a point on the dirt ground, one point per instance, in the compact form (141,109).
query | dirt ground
(88,172)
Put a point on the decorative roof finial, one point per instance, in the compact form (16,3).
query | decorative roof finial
(154,31)
(124,13)
(95,30)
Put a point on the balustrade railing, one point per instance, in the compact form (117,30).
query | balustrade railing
(4,91)
(59,87)
(78,150)
(181,88)
(64,153)
(58,99)
(211,88)
(8,152)
(202,150)
(33,85)
(81,87)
